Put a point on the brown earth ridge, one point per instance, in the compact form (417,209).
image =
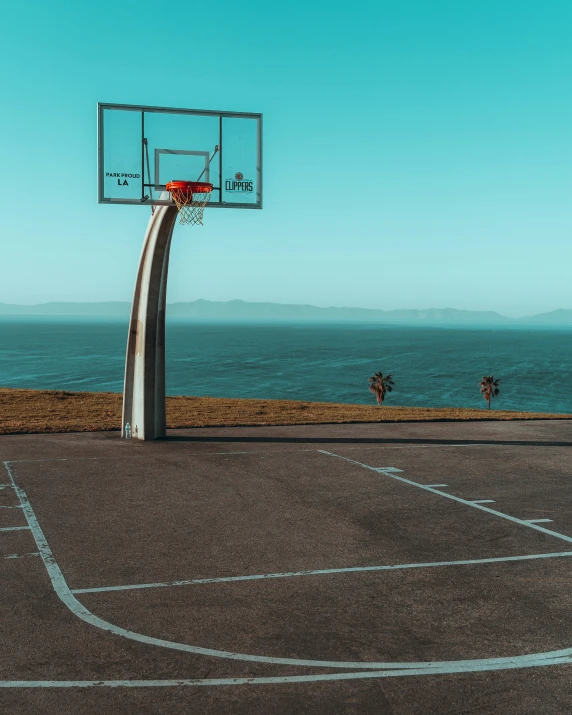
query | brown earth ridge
(43,411)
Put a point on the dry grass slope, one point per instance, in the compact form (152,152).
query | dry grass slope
(34,411)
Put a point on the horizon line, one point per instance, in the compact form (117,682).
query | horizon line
(293,305)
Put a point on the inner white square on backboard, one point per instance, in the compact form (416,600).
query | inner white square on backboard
(180,165)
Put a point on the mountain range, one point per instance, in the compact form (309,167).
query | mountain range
(240,310)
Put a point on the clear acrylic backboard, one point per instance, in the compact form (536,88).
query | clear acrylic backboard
(141,149)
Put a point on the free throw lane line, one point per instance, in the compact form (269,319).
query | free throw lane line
(474,504)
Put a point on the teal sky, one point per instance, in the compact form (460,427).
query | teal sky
(417,153)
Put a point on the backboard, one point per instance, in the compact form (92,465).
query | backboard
(141,149)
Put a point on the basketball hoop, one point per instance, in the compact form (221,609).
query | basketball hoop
(190,197)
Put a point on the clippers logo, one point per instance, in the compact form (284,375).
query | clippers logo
(239,183)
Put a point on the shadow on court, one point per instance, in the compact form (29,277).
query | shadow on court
(354,440)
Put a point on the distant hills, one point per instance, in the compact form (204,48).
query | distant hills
(555,317)
(239,310)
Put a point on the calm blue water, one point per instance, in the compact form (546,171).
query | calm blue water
(430,366)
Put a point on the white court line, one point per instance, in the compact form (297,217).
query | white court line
(321,572)
(474,505)
(55,459)
(146,456)
(14,528)
(19,556)
(386,669)
(268,680)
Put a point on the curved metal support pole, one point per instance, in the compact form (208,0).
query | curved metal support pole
(144,386)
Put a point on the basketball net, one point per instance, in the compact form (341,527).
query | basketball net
(190,201)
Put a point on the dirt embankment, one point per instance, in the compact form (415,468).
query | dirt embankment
(33,411)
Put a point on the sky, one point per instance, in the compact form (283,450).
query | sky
(417,154)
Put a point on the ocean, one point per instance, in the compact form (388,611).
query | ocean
(431,367)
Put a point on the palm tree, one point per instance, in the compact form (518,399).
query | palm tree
(489,388)
(379,385)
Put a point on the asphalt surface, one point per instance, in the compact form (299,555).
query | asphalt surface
(420,568)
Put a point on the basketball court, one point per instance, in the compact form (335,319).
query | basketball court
(381,568)
(399,568)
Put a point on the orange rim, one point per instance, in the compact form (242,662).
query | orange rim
(190,187)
